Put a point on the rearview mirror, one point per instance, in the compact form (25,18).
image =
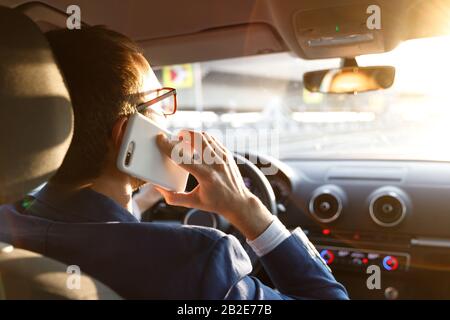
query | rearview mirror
(352,79)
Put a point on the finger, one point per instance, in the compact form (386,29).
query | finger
(219,144)
(199,143)
(211,155)
(186,137)
(221,151)
(181,199)
(203,152)
(165,145)
(180,154)
(227,156)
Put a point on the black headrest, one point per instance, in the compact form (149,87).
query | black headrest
(36,119)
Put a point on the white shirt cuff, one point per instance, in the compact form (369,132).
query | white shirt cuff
(274,235)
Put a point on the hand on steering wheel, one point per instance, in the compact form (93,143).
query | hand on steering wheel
(220,188)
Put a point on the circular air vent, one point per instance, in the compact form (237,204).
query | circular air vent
(387,209)
(326,204)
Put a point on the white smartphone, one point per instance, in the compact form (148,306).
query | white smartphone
(140,157)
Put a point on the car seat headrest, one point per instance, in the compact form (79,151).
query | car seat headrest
(36,119)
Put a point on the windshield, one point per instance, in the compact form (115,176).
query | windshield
(259,104)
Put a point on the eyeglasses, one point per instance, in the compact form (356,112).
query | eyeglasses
(162,100)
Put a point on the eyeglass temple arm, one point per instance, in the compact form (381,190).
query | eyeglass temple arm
(143,106)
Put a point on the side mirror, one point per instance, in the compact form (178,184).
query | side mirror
(352,79)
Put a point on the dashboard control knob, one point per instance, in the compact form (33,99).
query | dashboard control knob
(391,293)
(390,263)
(327,256)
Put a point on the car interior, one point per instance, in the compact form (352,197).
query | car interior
(337,113)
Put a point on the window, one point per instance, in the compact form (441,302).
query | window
(263,96)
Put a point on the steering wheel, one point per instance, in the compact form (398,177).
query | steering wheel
(254,179)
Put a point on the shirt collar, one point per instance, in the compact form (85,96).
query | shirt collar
(55,202)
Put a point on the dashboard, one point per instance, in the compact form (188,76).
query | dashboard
(383,227)
(392,216)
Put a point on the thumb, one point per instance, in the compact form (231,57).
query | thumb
(164,144)
(181,199)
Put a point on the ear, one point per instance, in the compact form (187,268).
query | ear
(118,131)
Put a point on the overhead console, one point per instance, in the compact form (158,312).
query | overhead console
(316,30)
(339,31)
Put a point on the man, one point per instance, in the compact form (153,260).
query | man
(108,78)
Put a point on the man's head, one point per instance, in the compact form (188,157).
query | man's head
(106,74)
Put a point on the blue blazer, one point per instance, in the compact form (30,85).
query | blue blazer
(160,261)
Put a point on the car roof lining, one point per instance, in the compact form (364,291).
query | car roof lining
(174,32)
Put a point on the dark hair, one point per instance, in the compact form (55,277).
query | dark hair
(103,71)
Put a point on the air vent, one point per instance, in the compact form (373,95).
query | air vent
(387,208)
(326,204)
